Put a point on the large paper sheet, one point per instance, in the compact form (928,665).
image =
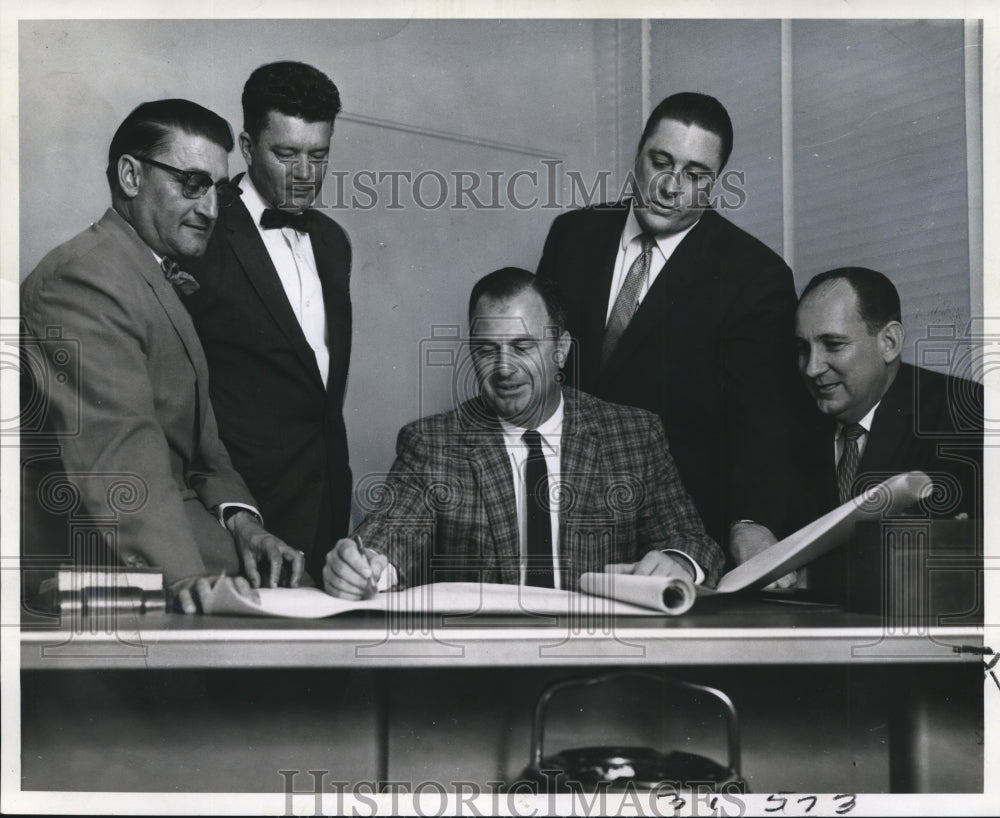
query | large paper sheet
(440,598)
(891,496)
(621,594)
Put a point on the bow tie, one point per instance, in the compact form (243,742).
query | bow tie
(185,282)
(274,219)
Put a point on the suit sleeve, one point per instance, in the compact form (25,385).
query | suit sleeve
(118,461)
(400,521)
(956,439)
(669,518)
(548,267)
(211,473)
(763,401)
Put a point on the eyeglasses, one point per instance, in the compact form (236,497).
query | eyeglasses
(196,183)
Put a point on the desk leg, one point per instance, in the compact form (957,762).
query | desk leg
(936,729)
(908,734)
(382,730)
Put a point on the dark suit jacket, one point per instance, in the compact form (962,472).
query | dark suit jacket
(925,422)
(709,350)
(123,387)
(284,431)
(446,511)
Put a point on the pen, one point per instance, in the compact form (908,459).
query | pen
(372,585)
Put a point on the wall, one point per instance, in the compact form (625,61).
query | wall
(878,170)
(506,96)
(877,175)
(880,166)
(418,96)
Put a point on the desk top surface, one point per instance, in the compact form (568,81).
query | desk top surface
(731,632)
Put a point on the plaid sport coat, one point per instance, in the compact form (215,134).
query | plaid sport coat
(447,511)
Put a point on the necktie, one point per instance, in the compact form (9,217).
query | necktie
(628,298)
(847,467)
(536,478)
(185,282)
(274,219)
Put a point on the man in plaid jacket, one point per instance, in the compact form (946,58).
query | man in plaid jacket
(469,498)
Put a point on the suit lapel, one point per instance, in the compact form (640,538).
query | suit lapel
(892,425)
(141,257)
(252,255)
(334,280)
(604,252)
(823,440)
(496,488)
(581,473)
(681,272)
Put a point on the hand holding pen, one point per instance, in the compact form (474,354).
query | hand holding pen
(367,569)
(352,571)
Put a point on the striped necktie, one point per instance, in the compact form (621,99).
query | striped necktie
(628,298)
(847,466)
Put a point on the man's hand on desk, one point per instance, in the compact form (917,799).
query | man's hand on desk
(747,539)
(189,593)
(655,564)
(353,572)
(255,544)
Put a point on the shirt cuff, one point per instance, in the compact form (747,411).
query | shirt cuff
(389,578)
(226,510)
(699,574)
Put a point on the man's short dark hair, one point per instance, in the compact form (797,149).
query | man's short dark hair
(694,109)
(290,88)
(878,299)
(506,283)
(151,126)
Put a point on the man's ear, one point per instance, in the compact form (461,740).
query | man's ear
(246,147)
(891,338)
(129,175)
(562,348)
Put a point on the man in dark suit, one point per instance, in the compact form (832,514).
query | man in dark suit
(676,310)
(530,482)
(139,449)
(878,416)
(274,314)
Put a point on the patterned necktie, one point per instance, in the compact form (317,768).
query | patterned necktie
(847,467)
(274,219)
(536,482)
(185,282)
(628,298)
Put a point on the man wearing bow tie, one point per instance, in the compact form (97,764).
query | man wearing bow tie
(273,312)
(139,464)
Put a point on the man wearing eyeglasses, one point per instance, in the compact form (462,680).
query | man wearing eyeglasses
(134,410)
(273,311)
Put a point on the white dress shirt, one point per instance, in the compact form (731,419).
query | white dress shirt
(629,249)
(517,450)
(291,253)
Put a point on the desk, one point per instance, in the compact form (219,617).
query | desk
(780,651)
(747,632)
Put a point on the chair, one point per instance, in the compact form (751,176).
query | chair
(587,769)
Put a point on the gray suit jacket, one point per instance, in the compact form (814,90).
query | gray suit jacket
(137,434)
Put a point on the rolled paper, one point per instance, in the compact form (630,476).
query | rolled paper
(670,595)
